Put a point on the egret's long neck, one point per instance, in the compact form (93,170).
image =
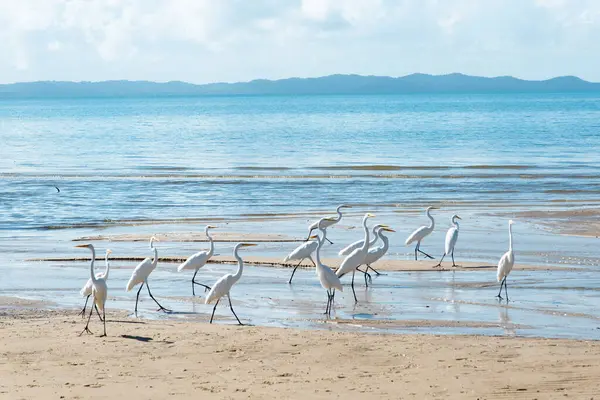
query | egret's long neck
(365,246)
(212,244)
(374,236)
(238,274)
(155,261)
(321,240)
(107,269)
(455,222)
(385,240)
(432,224)
(93,276)
(510,239)
(339,214)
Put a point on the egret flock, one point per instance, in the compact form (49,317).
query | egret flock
(361,253)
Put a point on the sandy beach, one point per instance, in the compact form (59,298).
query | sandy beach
(44,358)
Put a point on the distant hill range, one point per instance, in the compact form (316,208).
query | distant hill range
(327,85)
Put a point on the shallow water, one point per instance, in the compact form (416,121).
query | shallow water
(272,164)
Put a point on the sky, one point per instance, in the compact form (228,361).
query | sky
(204,41)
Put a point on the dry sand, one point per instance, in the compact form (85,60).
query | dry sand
(43,357)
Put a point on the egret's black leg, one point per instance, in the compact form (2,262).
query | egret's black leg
(230,306)
(500,291)
(327,309)
(416,249)
(330,242)
(453,263)
(213,313)
(104,320)
(367,275)
(353,292)
(87,329)
(506,289)
(98,312)
(425,254)
(194,287)
(198,283)
(294,271)
(440,263)
(372,269)
(84,306)
(160,307)
(137,298)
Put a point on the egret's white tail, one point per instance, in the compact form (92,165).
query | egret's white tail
(130,284)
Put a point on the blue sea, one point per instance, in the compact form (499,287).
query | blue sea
(272,163)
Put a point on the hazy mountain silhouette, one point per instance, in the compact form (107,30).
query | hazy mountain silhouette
(332,84)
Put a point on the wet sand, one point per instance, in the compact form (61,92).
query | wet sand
(44,358)
(382,265)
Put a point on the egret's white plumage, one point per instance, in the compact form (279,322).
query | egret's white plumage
(141,273)
(86,290)
(421,233)
(99,290)
(330,221)
(357,257)
(301,253)
(223,286)
(328,279)
(506,263)
(451,238)
(376,253)
(199,260)
(353,246)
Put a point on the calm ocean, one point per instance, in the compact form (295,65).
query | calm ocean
(176,158)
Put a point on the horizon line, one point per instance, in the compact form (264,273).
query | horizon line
(299,77)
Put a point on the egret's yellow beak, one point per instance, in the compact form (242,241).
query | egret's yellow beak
(346,206)
(371,215)
(457,217)
(388,229)
(248,244)
(211,227)
(313,237)
(83,245)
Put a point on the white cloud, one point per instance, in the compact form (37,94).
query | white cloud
(206,40)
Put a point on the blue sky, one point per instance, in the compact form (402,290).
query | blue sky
(234,40)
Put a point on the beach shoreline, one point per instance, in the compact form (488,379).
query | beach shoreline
(45,358)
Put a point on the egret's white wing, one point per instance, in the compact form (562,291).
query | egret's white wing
(303,251)
(195,261)
(220,288)
(417,235)
(351,247)
(505,265)
(140,273)
(451,238)
(351,262)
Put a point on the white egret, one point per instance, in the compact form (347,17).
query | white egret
(506,263)
(451,238)
(353,246)
(99,291)
(86,290)
(223,286)
(140,275)
(199,260)
(329,280)
(376,253)
(329,222)
(357,257)
(421,233)
(304,251)
(301,253)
